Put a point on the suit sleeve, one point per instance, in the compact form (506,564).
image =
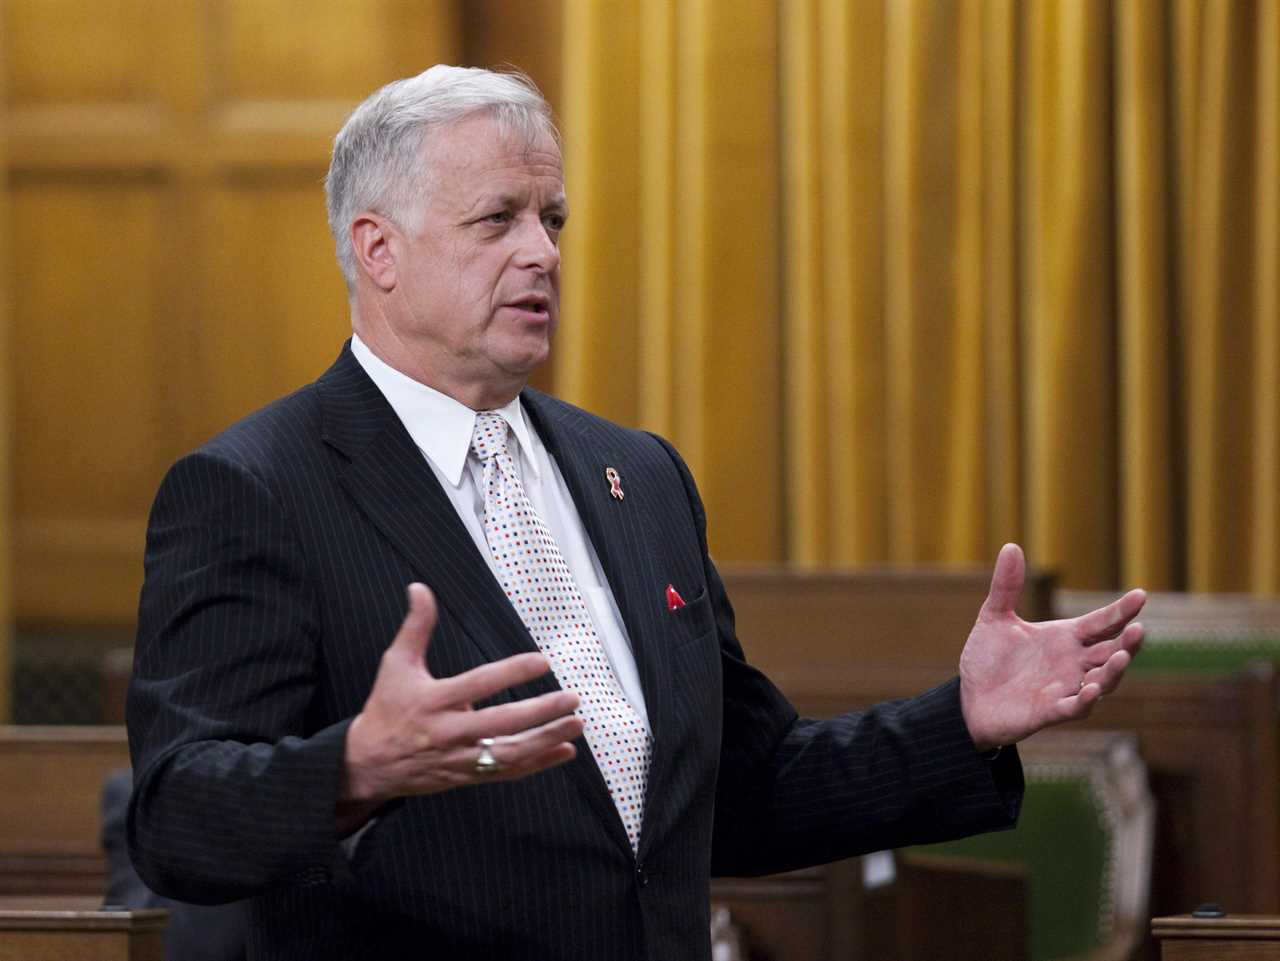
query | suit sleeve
(233,791)
(794,792)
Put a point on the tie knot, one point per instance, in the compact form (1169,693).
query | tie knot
(489,435)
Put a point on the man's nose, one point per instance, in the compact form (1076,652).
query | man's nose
(538,249)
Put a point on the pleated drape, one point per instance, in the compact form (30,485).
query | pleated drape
(910,278)
(671,277)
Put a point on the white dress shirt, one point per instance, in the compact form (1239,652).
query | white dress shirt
(442,428)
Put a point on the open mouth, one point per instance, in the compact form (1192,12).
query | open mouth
(534,304)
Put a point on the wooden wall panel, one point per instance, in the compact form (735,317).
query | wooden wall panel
(85,314)
(83,51)
(330,51)
(165,165)
(86,385)
(269,281)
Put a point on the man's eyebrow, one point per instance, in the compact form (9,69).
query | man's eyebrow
(488,201)
(506,201)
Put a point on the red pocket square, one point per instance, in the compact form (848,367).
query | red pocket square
(674,600)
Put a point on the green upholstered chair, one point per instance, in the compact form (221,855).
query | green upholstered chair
(1085,837)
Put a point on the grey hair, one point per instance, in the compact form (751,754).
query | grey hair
(375,162)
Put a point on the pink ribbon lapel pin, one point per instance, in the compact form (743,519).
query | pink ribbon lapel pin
(615,483)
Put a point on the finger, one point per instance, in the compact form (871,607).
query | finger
(467,727)
(1130,640)
(554,757)
(1132,636)
(1095,655)
(410,642)
(1006,582)
(1106,677)
(1075,706)
(1106,622)
(517,755)
(488,679)
(521,752)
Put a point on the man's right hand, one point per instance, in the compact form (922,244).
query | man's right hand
(418,734)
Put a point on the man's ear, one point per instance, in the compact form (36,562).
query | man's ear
(371,237)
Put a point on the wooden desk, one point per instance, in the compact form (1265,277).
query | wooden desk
(71,928)
(1240,937)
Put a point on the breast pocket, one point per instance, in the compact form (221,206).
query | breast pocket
(695,661)
(695,620)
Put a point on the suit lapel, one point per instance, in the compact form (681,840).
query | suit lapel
(619,532)
(389,479)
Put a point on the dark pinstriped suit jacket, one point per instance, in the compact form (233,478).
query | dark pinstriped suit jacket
(276,565)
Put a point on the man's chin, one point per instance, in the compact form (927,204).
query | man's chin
(527,358)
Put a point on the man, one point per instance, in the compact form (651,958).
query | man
(585,743)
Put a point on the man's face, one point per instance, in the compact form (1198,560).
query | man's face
(477,294)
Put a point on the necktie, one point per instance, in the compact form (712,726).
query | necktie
(536,579)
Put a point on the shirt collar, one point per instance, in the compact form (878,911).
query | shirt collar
(439,425)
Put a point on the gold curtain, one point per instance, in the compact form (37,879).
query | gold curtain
(906,279)
(671,278)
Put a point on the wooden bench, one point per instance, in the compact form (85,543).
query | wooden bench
(49,818)
(74,928)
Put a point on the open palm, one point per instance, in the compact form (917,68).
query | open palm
(1017,677)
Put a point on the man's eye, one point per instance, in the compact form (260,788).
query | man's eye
(554,221)
(497,217)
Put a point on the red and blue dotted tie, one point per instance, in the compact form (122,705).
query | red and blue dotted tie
(541,587)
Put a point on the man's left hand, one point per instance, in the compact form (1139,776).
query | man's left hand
(1017,677)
